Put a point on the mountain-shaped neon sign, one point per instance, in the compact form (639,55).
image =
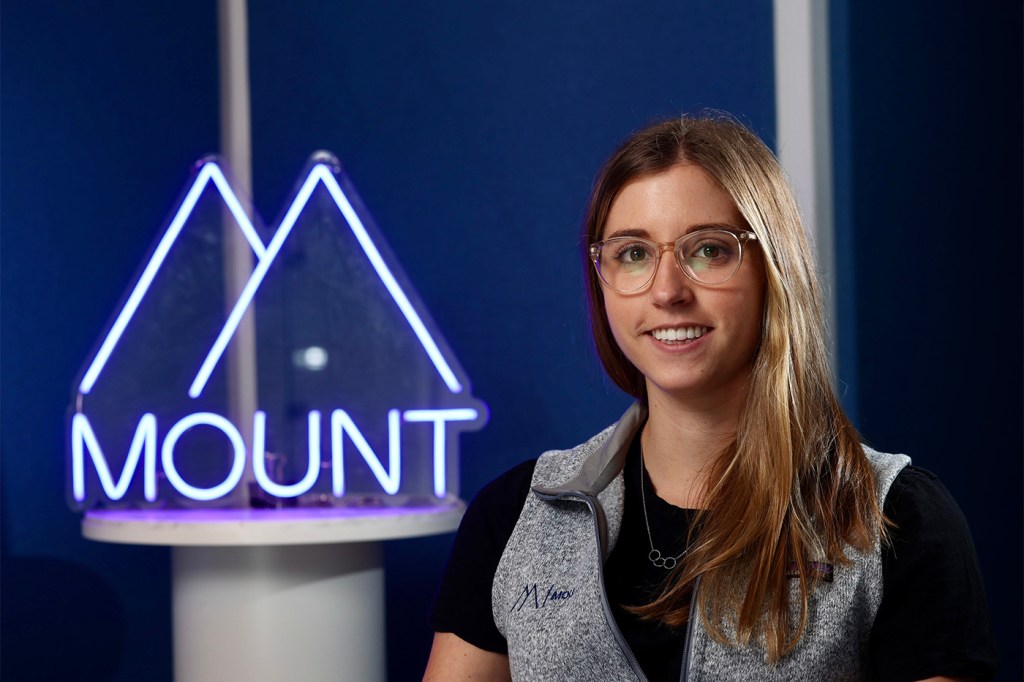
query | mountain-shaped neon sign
(346,357)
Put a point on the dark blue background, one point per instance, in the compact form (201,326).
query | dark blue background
(472,132)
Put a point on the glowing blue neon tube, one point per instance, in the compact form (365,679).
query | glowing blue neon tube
(322,173)
(210,171)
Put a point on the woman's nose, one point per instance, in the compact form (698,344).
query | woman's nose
(670,284)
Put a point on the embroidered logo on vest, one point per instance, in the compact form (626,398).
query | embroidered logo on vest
(818,570)
(532,598)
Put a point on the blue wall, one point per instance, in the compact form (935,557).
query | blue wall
(929,118)
(104,107)
(470,131)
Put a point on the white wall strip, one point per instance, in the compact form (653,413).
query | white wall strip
(803,114)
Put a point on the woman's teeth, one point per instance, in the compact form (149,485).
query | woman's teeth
(679,334)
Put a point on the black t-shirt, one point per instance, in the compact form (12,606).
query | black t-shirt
(932,619)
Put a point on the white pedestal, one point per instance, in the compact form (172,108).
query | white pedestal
(299,612)
(270,595)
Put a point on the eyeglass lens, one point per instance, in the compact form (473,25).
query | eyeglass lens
(628,264)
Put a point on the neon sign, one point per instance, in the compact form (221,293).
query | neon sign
(359,400)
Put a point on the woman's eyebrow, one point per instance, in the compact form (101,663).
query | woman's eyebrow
(636,232)
(728,227)
(628,232)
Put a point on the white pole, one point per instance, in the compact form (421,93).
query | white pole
(235,113)
(236,147)
(803,111)
(263,613)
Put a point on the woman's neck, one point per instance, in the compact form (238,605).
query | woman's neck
(682,442)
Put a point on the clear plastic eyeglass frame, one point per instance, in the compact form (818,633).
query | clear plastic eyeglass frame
(708,275)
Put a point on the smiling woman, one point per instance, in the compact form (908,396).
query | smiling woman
(730,525)
(716,304)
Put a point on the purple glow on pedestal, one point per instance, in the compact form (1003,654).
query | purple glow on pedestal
(202,516)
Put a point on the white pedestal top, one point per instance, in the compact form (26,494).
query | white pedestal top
(302,526)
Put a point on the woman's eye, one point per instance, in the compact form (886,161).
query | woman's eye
(633,253)
(711,251)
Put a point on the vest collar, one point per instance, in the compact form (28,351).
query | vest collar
(607,461)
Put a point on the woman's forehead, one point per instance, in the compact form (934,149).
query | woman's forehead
(668,204)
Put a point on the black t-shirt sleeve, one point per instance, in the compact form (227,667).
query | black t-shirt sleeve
(933,619)
(463,604)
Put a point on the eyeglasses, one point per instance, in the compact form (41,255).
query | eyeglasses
(710,256)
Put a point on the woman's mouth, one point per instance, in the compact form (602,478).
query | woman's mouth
(679,334)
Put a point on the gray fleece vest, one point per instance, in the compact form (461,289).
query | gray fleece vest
(550,603)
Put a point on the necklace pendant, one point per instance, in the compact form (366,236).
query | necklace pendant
(668,562)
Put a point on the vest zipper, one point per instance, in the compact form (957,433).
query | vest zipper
(609,616)
(684,669)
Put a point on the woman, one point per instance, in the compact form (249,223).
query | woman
(730,525)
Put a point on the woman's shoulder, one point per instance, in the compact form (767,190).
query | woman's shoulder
(887,467)
(933,619)
(494,511)
(462,605)
(557,466)
(505,495)
(499,503)
(927,525)
(924,520)
(917,499)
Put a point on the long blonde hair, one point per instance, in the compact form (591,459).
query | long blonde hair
(794,487)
